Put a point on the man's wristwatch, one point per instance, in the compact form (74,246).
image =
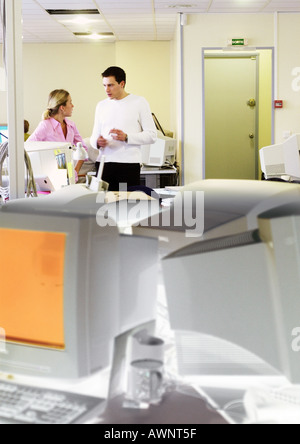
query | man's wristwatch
(126,139)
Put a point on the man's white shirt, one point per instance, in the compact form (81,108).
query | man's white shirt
(132,115)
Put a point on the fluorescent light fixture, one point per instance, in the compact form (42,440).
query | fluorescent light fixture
(181,6)
(96,36)
(73,11)
(81,20)
(83,23)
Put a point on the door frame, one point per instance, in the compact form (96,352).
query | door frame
(235,54)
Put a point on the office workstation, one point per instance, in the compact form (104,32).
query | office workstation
(177,303)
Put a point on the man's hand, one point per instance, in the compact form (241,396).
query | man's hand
(101,142)
(118,135)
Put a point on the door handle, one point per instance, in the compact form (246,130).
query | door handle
(251,136)
(251,103)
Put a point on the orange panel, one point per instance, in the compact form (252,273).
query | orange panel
(32,287)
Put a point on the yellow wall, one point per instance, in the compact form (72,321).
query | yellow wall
(147,65)
(265,98)
(78,67)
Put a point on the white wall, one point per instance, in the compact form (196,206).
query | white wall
(288,119)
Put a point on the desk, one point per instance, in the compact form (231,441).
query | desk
(176,408)
(159,177)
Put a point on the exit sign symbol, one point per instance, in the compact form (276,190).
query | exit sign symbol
(238,42)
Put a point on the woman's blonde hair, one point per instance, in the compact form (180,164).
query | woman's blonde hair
(57,98)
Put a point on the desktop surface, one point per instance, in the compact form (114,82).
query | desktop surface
(175,408)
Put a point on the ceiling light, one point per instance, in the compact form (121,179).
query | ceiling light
(182,6)
(80,20)
(73,11)
(96,36)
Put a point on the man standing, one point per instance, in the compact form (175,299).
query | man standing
(123,123)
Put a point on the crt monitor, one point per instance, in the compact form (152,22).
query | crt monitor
(282,161)
(221,207)
(3,133)
(53,162)
(234,301)
(65,295)
(160,153)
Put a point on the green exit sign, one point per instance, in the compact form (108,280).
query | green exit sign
(238,42)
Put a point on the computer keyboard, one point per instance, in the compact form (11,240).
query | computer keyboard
(31,405)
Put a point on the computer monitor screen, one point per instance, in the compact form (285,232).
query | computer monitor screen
(54,310)
(69,286)
(36,268)
(52,161)
(3,133)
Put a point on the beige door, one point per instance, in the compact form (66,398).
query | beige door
(231,117)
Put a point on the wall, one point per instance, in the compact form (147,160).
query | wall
(265,97)
(78,68)
(208,31)
(288,119)
(213,30)
(148,69)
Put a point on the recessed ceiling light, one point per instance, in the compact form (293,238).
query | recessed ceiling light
(79,20)
(95,36)
(73,11)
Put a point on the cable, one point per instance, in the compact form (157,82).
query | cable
(31,185)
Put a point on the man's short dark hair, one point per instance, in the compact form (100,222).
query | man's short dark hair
(114,71)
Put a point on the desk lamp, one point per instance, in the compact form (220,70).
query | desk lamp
(79,153)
